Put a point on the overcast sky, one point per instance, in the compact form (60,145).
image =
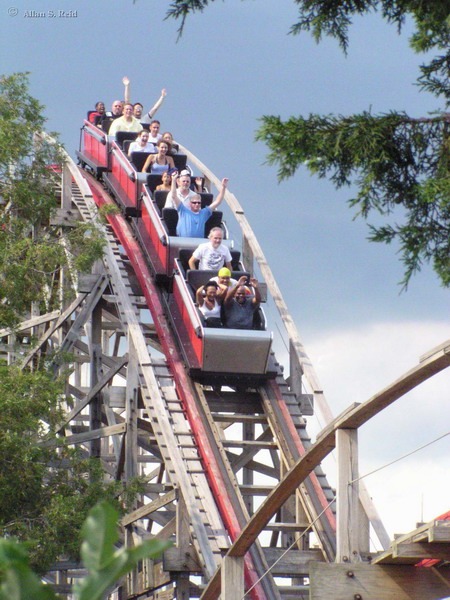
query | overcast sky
(234,64)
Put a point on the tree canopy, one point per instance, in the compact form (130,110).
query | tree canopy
(32,251)
(399,164)
(46,489)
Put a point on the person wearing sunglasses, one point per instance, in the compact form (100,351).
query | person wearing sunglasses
(192,219)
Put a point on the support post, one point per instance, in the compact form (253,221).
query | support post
(232,578)
(131,406)
(96,361)
(347,497)
(247,255)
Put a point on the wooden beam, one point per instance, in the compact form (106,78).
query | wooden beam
(355,416)
(51,330)
(374,582)
(149,508)
(347,497)
(94,391)
(232,578)
(88,436)
(29,323)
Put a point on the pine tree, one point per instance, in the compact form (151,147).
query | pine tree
(399,164)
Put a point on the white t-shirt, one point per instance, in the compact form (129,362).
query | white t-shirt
(136,147)
(211,259)
(153,140)
(184,199)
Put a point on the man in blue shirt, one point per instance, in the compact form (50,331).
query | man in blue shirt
(192,219)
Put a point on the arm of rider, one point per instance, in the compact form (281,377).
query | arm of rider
(158,103)
(193,263)
(232,291)
(220,195)
(229,266)
(199,295)
(173,189)
(257,297)
(126,83)
(148,163)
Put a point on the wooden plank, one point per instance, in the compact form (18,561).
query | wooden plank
(33,322)
(290,527)
(239,418)
(252,444)
(419,550)
(149,508)
(232,578)
(51,330)
(80,438)
(181,561)
(347,497)
(374,582)
(439,533)
(444,346)
(94,391)
(295,563)
(132,390)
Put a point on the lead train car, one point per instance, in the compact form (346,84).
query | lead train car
(215,355)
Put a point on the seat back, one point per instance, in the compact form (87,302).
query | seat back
(121,136)
(235,257)
(138,159)
(159,196)
(153,179)
(104,123)
(214,220)
(198,278)
(179,161)
(170,217)
(206,199)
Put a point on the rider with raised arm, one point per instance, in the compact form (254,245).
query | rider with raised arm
(138,108)
(191,221)
(239,307)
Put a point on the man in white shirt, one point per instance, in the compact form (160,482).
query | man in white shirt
(212,255)
(184,193)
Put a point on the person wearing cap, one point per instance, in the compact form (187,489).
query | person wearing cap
(212,255)
(184,193)
(224,281)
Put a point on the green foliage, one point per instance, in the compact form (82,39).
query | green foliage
(105,564)
(400,164)
(17,580)
(32,252)
(47,503)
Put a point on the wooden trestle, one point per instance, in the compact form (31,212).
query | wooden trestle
(208,455)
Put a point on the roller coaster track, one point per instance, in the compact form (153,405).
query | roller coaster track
(134,406)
